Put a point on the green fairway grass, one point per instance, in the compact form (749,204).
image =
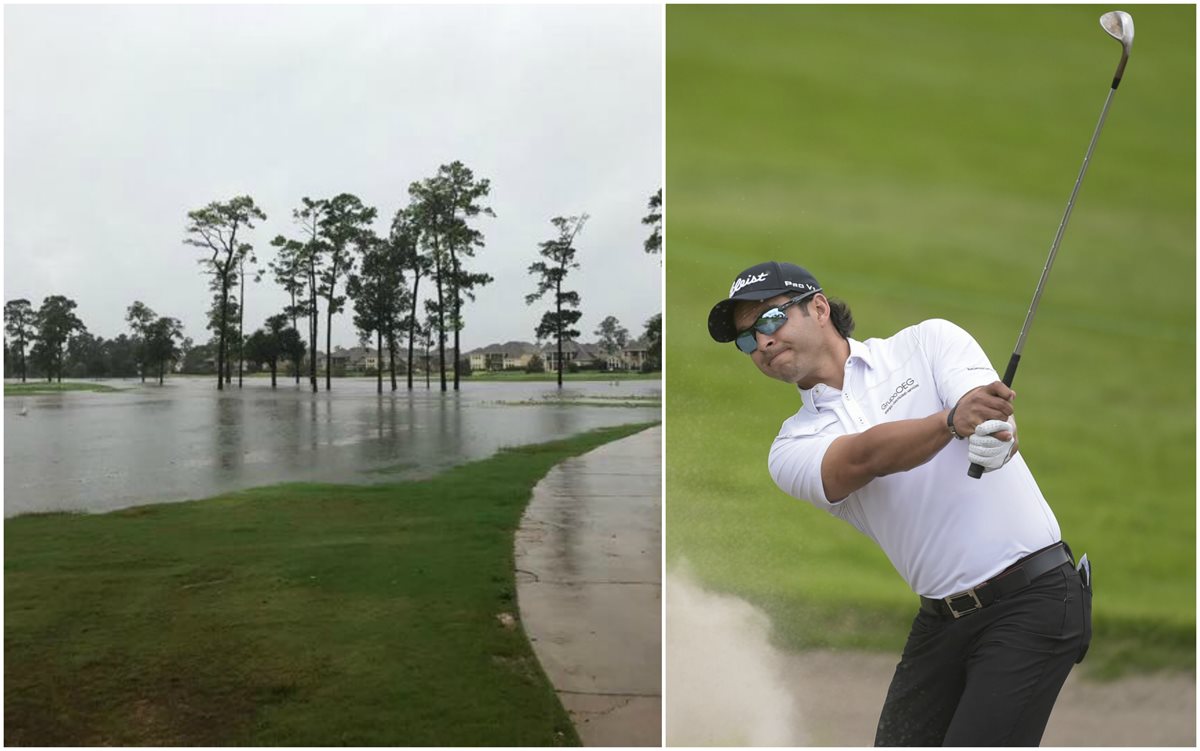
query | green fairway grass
(918,161)
(21,389)
(291,615)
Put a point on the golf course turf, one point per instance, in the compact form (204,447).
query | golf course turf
(41,387)
(295,614)
(917,160)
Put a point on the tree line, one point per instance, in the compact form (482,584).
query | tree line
(52,341)
(332,256)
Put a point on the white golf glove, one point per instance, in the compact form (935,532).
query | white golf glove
(987,450)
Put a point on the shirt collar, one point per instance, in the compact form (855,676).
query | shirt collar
(822,393)
(860,351)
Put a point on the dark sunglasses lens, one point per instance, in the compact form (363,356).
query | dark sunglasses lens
(746,342)
(768,323)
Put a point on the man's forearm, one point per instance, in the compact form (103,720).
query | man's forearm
(854,460)
(901,445)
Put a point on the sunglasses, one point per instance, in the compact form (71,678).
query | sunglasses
(768,323)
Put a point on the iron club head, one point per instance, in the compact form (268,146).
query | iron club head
(1119,25)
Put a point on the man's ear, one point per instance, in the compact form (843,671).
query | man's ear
(821,307)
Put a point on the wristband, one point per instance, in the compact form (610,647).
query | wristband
(950,424)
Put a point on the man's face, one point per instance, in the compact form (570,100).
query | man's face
(789,354)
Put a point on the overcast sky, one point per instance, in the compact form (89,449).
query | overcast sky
(120,120)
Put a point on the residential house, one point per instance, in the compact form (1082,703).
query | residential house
(635,353)
(512,355)
(360,359)
(584,356)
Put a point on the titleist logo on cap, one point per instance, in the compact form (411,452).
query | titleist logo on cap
(746,281)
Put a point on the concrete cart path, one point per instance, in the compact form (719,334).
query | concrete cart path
(589,584)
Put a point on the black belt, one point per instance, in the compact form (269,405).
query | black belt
(1012,579)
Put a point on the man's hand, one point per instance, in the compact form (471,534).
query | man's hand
(992,444)
(990,402)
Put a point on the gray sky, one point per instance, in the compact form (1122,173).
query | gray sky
(120,120)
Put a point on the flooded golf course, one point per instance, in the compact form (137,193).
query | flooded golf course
(95,452)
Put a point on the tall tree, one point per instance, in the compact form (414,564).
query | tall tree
(309,216)
(379,294)
(139,317)
(242,306)
(345,224)
(290,272)
(613,336)
(653,243)
(429,211)
(222,321)
(56,322)
(464,195)
(560,259)
(20,323)
(405,237)
(161,347)
(215,228)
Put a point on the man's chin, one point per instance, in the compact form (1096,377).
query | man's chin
(786,375)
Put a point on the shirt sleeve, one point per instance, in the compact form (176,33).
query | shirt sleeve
(795,466)
(956,359)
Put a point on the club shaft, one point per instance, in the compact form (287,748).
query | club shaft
(1062,227)
(1010,373)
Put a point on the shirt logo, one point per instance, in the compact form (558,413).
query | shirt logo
(746,281)
(903,390)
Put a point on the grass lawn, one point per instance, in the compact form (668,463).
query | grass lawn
(22,389)
(917,159)
(311,615)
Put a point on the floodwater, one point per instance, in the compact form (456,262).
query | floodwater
(96,452)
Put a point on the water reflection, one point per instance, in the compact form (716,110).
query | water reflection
(97,452)
(228,435)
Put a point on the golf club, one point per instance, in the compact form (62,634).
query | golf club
(1119,25)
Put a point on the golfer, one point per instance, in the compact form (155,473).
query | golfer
(883,439)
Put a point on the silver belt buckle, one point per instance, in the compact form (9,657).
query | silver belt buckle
(971,609)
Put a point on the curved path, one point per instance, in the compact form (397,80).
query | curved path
(589,585)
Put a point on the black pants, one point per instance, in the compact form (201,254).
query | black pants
(989,678)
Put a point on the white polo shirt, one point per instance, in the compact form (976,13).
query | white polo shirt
(943,531)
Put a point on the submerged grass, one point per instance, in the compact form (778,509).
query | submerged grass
(21,389)
(296,614)
(584,402)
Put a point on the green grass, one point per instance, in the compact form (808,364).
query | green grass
(300,614)
(918,160)
(26,389)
